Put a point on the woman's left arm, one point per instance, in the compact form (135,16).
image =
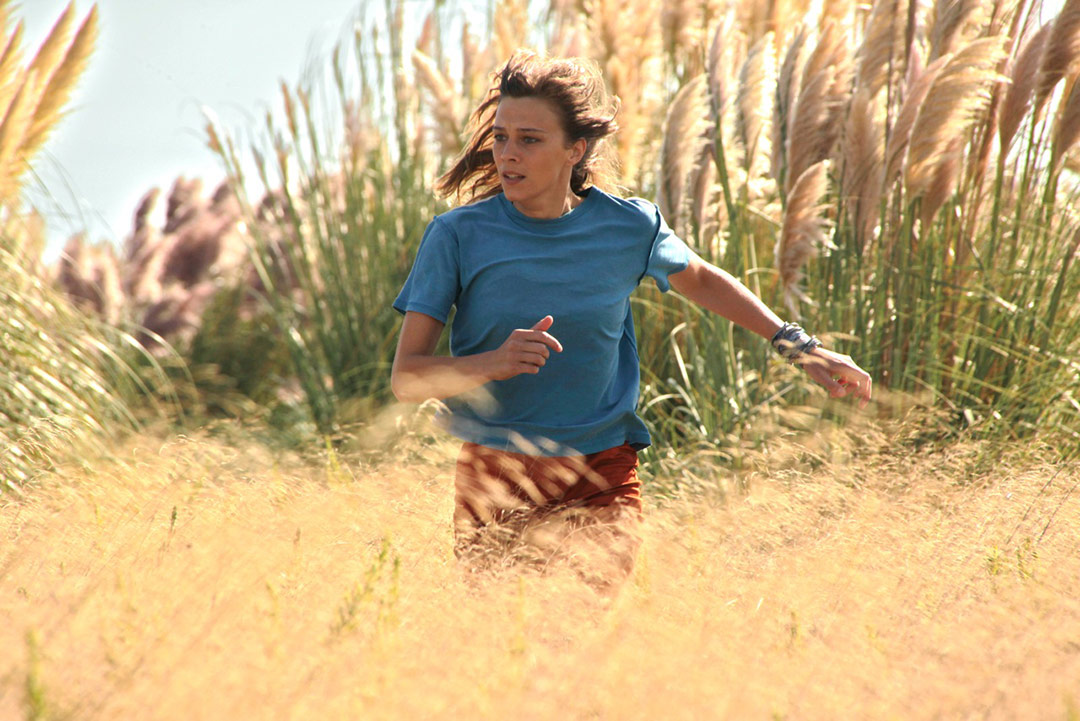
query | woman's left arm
(717,290)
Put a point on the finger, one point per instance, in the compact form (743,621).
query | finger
(535,358)
(837,388)
(866,389)
(524,345)
(541,347)
(861,386)
(544,323)
(546,339)
(530,368)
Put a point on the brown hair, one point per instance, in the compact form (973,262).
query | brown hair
(576,90)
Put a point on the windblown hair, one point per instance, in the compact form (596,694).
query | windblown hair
(575,88)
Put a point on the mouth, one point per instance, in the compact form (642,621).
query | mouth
(512,178)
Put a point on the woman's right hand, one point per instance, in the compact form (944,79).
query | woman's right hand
(526,350)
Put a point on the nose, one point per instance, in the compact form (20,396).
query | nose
(506,150)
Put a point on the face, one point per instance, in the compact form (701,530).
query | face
(533,155)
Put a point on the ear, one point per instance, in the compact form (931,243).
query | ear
(577,151)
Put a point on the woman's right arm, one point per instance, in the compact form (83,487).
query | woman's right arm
(418,374)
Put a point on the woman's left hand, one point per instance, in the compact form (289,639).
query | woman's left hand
(838,373)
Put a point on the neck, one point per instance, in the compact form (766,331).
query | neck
(548,209)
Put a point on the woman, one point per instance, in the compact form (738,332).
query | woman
(542,381)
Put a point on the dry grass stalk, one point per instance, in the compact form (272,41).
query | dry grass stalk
(879,46)
(445,103)
(942,181)
(687,133)
(31,99)
(60,83)
(788,87)
(183,204)
(141,282)
(723,51)
(818,114)
(784,618)
(1062,51)
(570,38)
(951,23)
(425,42)
(862,154)
(90,277)
(511,27)
(1024,75)
(630,57)
(841,12)
(1067,131)
(475,64)
(803,231)
(17,118)
(9,64)
(679,25)
(959,94)
(708,210)
(905,119)
(52,50)
(756,78)
(829,49)
(808,134)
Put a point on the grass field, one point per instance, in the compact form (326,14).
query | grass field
(208,578)
(909,167)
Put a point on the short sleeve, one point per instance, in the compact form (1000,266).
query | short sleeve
(669,254)
(432,286)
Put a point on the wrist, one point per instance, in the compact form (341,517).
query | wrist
(793,343)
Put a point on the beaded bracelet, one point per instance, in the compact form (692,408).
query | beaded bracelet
(792,342)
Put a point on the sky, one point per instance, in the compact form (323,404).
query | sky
(136,119)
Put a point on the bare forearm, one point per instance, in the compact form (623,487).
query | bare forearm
(720,292)
(418,374)
(420,377)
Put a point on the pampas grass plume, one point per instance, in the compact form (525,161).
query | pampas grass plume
(863,163)
(1067,131)
(878,46)
(754,102)
(1024,75)
(1062,51)
(958,94)
(61,81)
(802,233)
(687,132)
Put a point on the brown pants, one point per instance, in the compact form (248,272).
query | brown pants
(513,493)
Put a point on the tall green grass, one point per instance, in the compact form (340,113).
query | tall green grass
(952,280)
(345,197)
(65,379)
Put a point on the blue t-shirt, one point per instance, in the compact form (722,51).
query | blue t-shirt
(504,270)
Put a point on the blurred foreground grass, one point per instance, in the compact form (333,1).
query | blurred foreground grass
(193,578)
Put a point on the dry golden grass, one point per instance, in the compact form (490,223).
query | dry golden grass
(184,578)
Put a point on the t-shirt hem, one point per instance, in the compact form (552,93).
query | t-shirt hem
(548,449)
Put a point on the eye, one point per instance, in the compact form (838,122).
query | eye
(499,137)
(530,139)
